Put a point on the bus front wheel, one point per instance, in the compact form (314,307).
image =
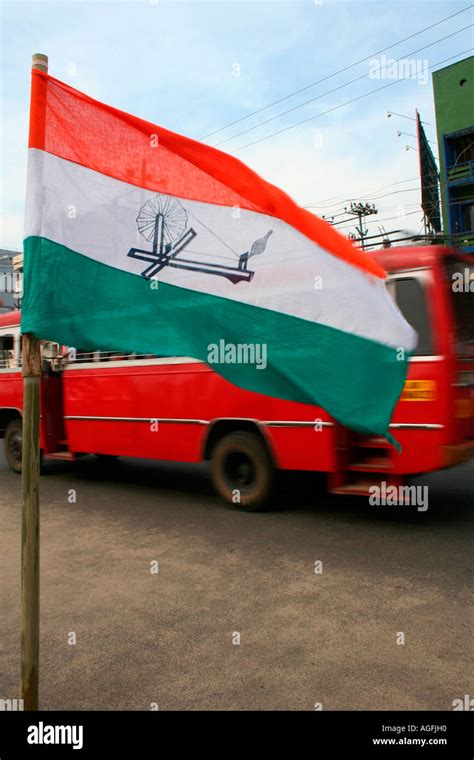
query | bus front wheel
(242,471)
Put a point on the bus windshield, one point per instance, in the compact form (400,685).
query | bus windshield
(410,297)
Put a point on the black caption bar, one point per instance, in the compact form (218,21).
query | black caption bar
(324,734)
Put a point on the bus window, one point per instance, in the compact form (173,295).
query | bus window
(411,300)
(7,351)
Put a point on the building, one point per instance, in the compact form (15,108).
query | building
(7,280)
(17,262)
(453,89)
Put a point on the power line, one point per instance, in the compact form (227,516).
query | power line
(382,210)
(382,234)
(439,185)
(416,236)
(347,200)
(341,105)
(379,221)
(335,89)
(387,209)
(340,71)
(377,197)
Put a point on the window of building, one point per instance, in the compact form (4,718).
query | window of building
(460,149)
(467,218)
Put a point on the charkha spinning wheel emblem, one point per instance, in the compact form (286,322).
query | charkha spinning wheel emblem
(163,221)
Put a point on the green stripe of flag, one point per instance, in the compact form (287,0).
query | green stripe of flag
(352,378)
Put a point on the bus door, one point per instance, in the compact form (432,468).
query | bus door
(420,418)
(52,405)
(460,286)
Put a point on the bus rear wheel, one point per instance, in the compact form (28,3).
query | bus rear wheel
(242,471)
(13,445)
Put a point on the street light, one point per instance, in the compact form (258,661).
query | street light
(399,134)
(402,116)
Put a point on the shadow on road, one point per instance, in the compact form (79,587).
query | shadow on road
(451,493)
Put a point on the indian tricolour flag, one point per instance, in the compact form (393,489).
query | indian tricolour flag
(142,240)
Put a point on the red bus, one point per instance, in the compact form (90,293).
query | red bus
(180,409)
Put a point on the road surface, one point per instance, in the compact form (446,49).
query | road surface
(170,638)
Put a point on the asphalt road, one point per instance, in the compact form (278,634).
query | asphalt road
(305,638)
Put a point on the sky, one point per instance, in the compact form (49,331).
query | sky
(195,67)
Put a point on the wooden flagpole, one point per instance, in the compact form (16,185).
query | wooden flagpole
(30,543)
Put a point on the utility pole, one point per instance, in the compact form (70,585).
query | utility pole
(361,210)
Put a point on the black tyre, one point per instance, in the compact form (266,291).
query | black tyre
(14,445)
(242,471)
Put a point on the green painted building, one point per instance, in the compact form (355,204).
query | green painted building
(453,89)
